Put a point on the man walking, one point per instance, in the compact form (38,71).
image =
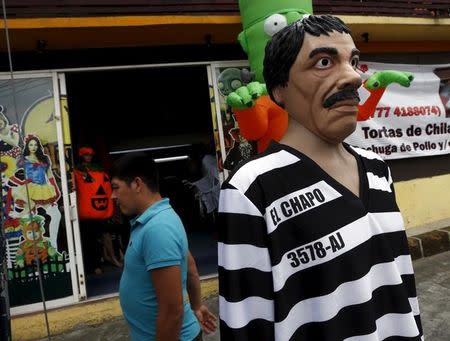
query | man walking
(153,289)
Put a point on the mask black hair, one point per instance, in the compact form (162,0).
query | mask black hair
(283,49)
(134,165)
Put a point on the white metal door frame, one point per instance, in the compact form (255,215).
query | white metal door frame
(70,202)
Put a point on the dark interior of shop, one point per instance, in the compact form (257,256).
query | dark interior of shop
(164,112)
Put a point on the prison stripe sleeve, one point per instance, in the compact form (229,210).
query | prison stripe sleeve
(245,278)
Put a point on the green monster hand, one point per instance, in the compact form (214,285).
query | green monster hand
(382,79)
(245,96)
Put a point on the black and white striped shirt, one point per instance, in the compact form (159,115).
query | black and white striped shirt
(303,258)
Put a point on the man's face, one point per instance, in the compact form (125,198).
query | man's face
(325,66)
(125,195)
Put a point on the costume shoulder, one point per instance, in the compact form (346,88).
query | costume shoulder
(368,154)
(275,156)
(374,164)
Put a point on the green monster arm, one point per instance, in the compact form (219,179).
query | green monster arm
(384,78)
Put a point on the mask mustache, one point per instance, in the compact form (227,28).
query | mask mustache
(341,96)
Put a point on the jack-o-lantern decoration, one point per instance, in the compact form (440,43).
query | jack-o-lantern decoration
(94,195)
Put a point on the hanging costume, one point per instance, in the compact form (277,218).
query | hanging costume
(93,190)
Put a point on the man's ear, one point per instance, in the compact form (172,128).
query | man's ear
(137,184)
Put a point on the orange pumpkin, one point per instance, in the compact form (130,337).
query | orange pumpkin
(93,195)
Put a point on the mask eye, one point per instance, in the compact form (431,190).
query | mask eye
(355,62)
(235,84)
(274,24)
(323,63)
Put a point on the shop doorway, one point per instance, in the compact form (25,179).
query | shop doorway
(165,112)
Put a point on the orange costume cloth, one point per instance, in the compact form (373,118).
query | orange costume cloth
(263,122)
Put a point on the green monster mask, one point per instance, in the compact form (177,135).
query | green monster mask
(261,19)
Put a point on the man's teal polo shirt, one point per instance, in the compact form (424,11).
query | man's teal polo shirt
(157,240)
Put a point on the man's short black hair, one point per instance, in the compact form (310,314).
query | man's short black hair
(134,165)
(283,49)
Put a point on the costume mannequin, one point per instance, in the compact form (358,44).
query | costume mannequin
(311,242)
(95,207)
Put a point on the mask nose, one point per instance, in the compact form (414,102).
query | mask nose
(350,78)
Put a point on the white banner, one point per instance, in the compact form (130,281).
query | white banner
(408,122)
